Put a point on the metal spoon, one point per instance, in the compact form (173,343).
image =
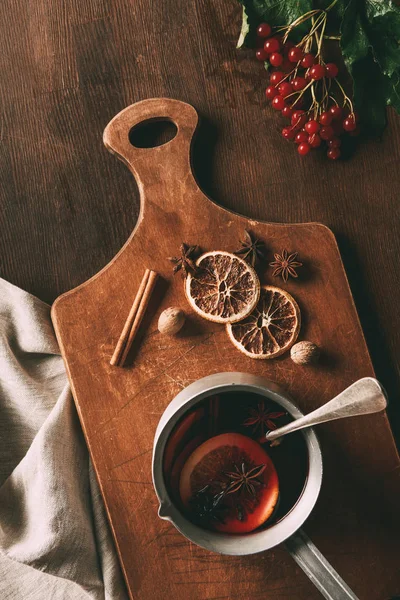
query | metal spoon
(363,397)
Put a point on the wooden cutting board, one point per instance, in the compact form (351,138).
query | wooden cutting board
(119,408)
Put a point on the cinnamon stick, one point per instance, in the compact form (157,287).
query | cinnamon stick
(134,319)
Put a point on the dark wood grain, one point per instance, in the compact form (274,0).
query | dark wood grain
(66,207)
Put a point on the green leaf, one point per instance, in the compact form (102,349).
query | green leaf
(370,35)
(370,94)
(368,24)
(354,40)
(383,32)
(274,12)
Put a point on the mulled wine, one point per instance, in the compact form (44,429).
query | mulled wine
(221,471)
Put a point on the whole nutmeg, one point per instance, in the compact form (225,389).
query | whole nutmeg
(305,353)
(171,320)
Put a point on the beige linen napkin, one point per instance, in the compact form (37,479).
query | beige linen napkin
(55,542)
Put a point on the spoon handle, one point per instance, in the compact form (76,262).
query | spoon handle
(363,397)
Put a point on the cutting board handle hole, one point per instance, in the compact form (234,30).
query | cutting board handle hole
(152,133)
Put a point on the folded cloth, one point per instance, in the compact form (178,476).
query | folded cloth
(55,542)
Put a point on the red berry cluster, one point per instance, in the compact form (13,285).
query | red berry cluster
(300,78)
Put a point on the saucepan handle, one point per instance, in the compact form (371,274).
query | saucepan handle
(317,568)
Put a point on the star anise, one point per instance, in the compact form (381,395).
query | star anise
(262,418)
(186,260)
(252,249)
(285,264)
(208,506)
(245,479)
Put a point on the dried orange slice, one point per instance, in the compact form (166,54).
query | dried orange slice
(224,289)
(272,327)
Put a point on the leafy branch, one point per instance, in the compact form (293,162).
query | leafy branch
(368,32)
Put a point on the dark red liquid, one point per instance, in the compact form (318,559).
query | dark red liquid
(230,412)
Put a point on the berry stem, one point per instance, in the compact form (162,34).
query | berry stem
(315,102)
(310,84)
(321,36)
(292,72)
(297,22)
(332,4)
(316,24)
(346,99)
(307,40)
(325,97)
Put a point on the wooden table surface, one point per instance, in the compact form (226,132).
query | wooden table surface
(67,206)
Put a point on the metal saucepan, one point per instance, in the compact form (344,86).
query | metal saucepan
(286,530)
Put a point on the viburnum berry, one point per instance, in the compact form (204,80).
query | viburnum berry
(314,140)
(331,70)
(317,72)
(298,66)
(349,124)
(264,30)
(302,136)
(326,133)
(288,45)
(336,112)
(278,103)
(271,92)
(307,61)
(276,59)
(299,83)
(334,142)
(325,118)
(271,45)
(333,153)
(337,127)
(295,54)
(311,126)
(303,148)
(288,133)
(299,119)
(285,88)
(287,112)
(287,66)
(261,54)
(276,77)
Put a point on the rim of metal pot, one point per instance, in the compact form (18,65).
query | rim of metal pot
(250,543)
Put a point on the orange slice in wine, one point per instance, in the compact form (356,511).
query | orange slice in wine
(215,472)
